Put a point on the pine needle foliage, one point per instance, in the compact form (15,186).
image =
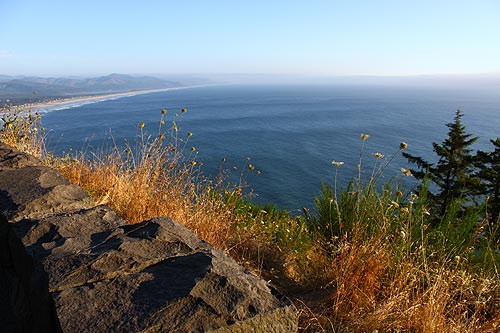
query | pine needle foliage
(488,164)
(453,173)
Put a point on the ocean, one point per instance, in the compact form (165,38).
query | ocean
(291,133)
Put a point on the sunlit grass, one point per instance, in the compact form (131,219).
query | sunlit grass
(22,129)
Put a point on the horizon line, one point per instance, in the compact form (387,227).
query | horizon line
(297,75)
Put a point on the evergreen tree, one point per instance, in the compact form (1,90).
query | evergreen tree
(453,172)
(488,164)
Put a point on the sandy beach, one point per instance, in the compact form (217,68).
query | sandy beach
(61,102)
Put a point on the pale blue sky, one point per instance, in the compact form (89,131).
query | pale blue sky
(364,37)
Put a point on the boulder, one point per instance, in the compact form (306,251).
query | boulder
(106,276)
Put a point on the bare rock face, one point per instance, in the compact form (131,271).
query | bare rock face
(25,303)
(11,158)
(106,276)
(154,276)
(28,189)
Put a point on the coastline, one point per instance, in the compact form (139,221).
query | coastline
(63,101)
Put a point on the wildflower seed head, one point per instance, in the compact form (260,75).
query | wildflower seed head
(162,137)
(364,136)
(259,172)
(247,158)
(184,110)
(406,172)
(164,111)
(403,145)
(378,155)
(235,168)
(414,196)
(141,125)
(193,163)
(251,167)
(337,163)
(193,149)
(399,194)
(128,151)
(190,134)
(405,210)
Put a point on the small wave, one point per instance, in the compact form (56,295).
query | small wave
(71,105)
(94,99)
(48,109)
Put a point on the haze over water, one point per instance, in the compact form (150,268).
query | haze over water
(291,132)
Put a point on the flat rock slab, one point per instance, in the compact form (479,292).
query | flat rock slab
(38,191)
(155,276)
(28,189)
(14,159)
(107,276)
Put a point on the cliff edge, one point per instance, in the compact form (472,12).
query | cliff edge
(67,264)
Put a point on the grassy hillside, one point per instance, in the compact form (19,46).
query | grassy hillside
(368,259)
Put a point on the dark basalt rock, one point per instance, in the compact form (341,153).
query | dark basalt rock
(11,158)
(34,190)
(106,276)
(25,303)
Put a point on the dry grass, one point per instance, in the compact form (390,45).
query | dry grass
(369,295)
(366,263)
(23,130)
(154,179)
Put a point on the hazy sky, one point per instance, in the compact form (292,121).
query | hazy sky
(364,37)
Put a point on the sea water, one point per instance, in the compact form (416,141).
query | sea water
(291,133)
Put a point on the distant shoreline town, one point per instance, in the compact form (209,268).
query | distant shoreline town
(31,90)
(62,101)
(48,102)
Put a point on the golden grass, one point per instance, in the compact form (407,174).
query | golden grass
(157,181)
(22,130)
(367,294)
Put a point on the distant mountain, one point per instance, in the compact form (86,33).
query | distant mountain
(16,88)
(5,78)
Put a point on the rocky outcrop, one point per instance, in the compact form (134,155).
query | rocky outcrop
(30,190)
(106,276)
(25,303)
